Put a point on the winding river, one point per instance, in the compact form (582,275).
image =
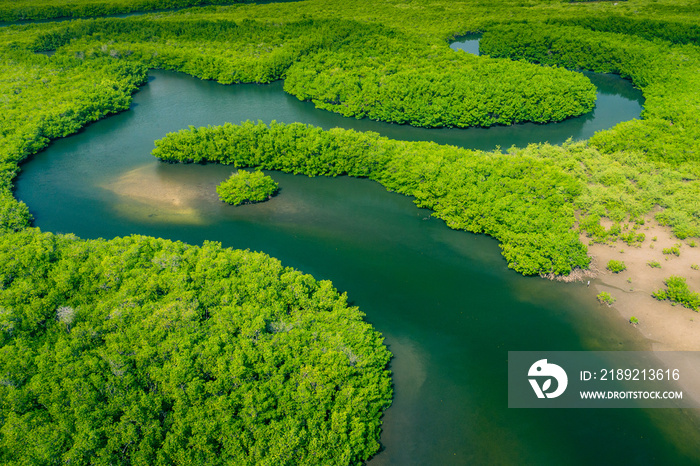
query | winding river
(447,304)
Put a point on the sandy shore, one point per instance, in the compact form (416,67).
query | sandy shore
(669,327)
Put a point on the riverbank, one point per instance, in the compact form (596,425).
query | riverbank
(669,327)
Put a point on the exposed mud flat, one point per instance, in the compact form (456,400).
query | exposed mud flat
(150,196)
(670,327)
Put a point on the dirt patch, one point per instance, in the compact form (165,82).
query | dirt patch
(669,327)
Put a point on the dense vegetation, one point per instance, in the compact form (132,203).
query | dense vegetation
(16,10)
(245,187)
(583,1)
(677,291)
(263,43)
(681,31)
(145,351)
(342,66)
(520,199)
(667,74)
(400,81)
(508,196)
(224,50)
(644,163)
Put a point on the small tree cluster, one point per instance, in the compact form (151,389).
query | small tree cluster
(247,187)
(606,298)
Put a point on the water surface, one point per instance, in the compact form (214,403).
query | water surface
(469,43)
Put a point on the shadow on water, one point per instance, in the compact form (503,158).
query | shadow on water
(447,304)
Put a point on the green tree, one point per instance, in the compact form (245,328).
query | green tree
(245,187)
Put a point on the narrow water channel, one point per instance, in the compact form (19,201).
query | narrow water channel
(447,304)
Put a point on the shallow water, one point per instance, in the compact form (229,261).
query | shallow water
(445,300)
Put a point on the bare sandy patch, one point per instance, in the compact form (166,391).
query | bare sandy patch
(669,327)
(149,196)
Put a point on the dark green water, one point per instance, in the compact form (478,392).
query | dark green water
(445,301)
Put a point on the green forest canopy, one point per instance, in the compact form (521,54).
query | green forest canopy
(145,351)
(18,10)
(653,44)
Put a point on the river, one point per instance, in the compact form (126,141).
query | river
(445,301)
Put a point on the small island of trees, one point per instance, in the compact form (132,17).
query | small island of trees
(244,187)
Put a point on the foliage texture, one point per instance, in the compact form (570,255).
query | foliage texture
(677,291)
(245,187)
(145,351)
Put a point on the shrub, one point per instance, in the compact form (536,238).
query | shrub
(633,239)
(634,320)
(606,298)
(677,291)
(247,187)
(616,266)
(654,264)
(674,250)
